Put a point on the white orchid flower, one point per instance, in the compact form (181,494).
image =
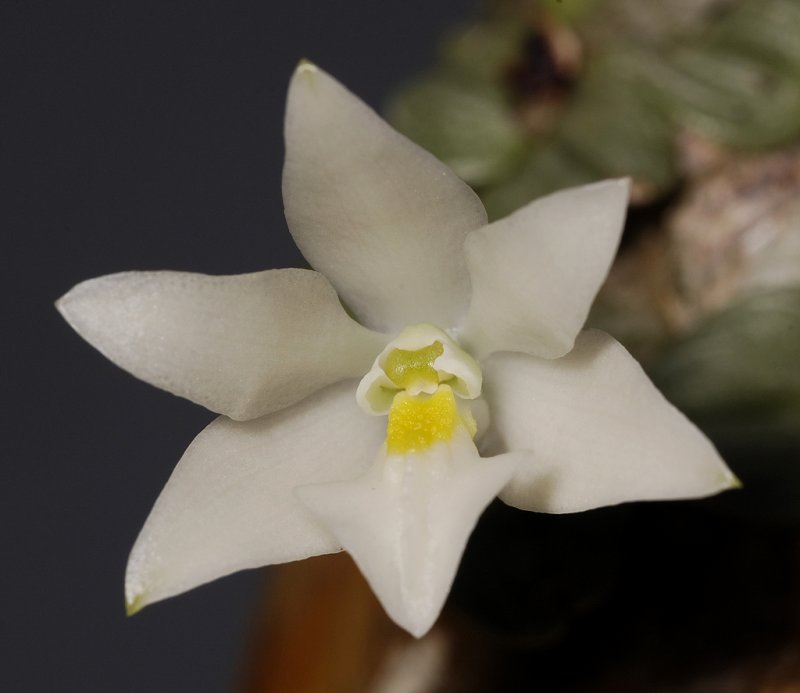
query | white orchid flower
(464,375)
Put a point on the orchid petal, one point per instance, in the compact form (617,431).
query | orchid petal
(241,345)
(229,504)
(595,431)
(535,273)
(382,218)
(407,521)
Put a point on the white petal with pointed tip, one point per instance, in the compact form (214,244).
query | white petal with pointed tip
(594,431)
(242,345)
(407,521)
(535,273)
(382,218)
(229,504)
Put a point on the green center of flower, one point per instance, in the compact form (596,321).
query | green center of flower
(408,368)
(422,380)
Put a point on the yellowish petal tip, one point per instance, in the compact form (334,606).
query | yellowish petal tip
(306,67)
(134,605)
(734,481)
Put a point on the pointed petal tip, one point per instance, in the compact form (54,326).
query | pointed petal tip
(62,304)
(83,298)
(305,67)
(305,88)
(732,482)
(614,189)
(73,304)
(620,186)
(625,187)
(134,604)
(624,182)
(414,618)
(421,629)
(306,76)
(726,480)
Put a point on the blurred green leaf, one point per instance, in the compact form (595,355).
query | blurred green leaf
(484,50)
(738,373)
(548,166)
(647,22)
(737,81)
(615,123)
(727,70)
(731,97)
(466,125)
(571,10)
(768,30)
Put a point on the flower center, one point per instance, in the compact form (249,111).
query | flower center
(422,380)
(413,369)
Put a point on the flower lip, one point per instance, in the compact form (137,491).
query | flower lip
(418,422)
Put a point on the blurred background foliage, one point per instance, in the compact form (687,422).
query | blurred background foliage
(538,95)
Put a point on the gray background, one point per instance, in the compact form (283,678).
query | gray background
(139,135)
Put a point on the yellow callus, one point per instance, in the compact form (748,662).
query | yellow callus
(416,422)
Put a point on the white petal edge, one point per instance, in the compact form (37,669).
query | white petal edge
(407,521)
(593,431)
(536,272)
(242,345)
(382,218)
(229,505)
